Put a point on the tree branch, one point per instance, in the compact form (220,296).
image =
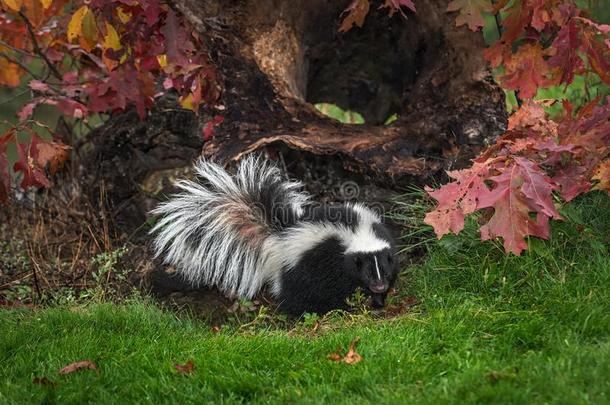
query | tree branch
(17,50)
(37,48)
(18,63)
(15,96)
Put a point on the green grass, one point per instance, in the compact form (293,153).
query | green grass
(490,329)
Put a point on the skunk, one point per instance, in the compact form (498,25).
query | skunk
(240,233)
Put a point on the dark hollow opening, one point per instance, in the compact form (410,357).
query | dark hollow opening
(368,70)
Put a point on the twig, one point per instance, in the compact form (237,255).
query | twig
(18,63)
(21,51)
(35,270)
(14,280)
(99,248)
(37,47)
(15,96)
(76,256)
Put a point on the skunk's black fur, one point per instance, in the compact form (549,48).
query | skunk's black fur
(240,233)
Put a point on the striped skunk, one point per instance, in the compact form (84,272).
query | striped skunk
(240,233)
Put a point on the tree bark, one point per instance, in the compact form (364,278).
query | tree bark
(278,57)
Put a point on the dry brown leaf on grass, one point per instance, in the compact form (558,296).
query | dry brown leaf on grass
(186,368)
(335,356)
(402,307)
(43,381)
(351,357)
(79,365)
(15,304)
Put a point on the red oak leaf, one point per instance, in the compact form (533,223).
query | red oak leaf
(531,115)
(496,53)
(511,219)
(175,40)
(566,47)
(208,129)
(27,163)
(538,187)
(540,15)
(526,71)
(457,199)
(573,181)
(598,55)
(516,21)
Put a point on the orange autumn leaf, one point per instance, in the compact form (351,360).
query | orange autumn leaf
(470,12)
(35,12)
(602,176)
(356,13)
(52,154)
(351,357)
(13,5)
(10,73)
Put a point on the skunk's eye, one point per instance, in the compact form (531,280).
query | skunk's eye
(390,259)
(358,262)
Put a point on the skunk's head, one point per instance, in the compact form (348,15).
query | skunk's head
(376,270)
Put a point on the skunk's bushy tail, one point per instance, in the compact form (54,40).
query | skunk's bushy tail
(220,230)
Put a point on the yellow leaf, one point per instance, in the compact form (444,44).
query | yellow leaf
(125,55)
(89,34)
(14,5)
(46,3)
(111,39)
(75,26)
(123,15)
(162,59)
(187,102)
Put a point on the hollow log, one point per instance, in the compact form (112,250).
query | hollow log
(276,59)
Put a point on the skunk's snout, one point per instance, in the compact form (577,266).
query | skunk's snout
(379,287)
